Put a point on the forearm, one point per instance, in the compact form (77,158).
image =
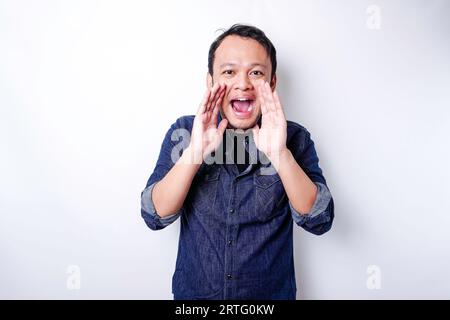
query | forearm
(170,192)
(300,190)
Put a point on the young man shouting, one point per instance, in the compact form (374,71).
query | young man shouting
(245,174)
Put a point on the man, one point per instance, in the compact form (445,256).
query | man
(237,209)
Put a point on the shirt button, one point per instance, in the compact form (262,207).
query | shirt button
(231,210)
(229,276)
(230,242)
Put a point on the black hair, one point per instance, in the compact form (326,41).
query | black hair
(245,31)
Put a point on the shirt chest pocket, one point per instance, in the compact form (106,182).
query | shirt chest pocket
(203,191)
(269,196)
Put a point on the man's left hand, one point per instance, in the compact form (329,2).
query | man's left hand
(271,137)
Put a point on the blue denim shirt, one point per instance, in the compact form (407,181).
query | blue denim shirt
(236,230)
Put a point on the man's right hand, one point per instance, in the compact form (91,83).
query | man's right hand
(206,136)
(169,193)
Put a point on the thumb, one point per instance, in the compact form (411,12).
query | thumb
(222,126)
(219,133)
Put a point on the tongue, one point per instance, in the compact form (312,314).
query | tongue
(241,106)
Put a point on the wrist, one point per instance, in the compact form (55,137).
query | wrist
(281,156)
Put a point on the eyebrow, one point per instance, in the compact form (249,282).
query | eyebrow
(251,65)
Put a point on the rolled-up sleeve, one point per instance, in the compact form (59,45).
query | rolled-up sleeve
(149,214)
(176,138)
(320,218)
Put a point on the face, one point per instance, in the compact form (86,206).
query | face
(241,64)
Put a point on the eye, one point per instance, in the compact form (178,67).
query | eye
(259,72)
(228,72)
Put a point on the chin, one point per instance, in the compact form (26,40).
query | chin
(240,120)
(244,125)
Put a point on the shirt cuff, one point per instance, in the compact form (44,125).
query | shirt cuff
(148,206)
(323,198)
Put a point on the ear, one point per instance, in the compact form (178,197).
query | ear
(209,80)
(273,82)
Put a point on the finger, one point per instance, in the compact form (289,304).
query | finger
(261,100)
(277,102)
(217,107)
(202,107)
(222,126)
(220,95)
(265,115)
(268,102)
(219,133)
(207,117)
(271,104)
(269,97)
(213,95)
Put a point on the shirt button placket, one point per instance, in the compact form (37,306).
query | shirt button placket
(231,230)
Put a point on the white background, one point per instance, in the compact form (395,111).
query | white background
(89,88)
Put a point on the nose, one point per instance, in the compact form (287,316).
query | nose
(243,82)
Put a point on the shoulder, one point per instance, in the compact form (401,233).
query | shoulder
(184,122)
(181,124)
(296,132)
(180,129)
(299,141)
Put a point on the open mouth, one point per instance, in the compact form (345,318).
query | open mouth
(242,107)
